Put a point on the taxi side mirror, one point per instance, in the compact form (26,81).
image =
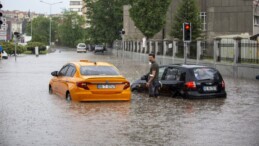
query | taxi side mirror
(54,73)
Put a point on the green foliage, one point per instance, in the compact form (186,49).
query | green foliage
(40,29)
(187,12)
(70,30)
(106,20)
(9,47)
(31,46)
(149,16)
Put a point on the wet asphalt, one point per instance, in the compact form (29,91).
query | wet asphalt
(30,116)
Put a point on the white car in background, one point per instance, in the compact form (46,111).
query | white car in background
(81,47)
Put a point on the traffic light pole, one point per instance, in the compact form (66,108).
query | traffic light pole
(185,52)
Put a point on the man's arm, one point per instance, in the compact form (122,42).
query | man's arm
(152,76)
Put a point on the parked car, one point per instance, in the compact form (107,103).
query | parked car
(90,81)
(99,48)
(4,55)
(257,77)
(189,81)
(81,47)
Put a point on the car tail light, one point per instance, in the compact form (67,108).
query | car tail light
(82,85)
(126,85)
(223,84)
(190,85)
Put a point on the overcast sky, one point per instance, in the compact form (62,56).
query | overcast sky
(35,5)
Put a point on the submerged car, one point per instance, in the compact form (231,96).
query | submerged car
(188,81)
(81,47)
(90,81)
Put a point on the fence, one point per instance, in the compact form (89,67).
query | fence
(219,50)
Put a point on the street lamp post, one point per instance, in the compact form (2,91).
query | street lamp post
(50,5)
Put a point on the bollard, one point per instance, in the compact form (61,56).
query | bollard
(37,51)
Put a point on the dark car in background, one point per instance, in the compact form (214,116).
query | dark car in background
(99,48)
(188,81)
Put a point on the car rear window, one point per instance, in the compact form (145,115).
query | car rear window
(81,45)
(206,74)
(98,70)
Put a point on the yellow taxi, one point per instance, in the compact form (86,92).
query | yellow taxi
(90,81)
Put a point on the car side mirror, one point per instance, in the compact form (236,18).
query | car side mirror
(54,73)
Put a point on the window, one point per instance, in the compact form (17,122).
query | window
(71,71)
(206,74)
(161,72)
(203,20)
(75,3)
(75,9)
(63,71)
(172,74)
(98,70)
(256,20)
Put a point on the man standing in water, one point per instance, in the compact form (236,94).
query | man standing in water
(153,82)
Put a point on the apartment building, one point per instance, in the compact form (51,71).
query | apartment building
(76,6)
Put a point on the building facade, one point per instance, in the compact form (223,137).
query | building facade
(219,18)
(76,6)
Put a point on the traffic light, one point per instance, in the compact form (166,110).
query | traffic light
(187,32)
(1,14)
(17,35)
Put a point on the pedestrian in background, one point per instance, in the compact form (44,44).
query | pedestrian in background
(153,82)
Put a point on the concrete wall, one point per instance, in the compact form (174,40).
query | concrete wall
(244,71)
(227,17)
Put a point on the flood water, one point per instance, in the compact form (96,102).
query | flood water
(29,116)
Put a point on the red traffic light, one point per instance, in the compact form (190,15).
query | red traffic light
(187,26)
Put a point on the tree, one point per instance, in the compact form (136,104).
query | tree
(71,29)
(40,28)
(187,12)
(105,18)
(149,16)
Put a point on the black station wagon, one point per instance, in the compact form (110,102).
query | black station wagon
(188,81)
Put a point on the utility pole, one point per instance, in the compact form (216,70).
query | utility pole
(50,5)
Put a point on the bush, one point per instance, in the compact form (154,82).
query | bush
(9,47)
(31,47)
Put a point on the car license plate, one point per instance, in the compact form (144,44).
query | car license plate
(105,86)
(210,88)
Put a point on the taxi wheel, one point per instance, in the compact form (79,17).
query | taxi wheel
(68,97)
(50,90)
